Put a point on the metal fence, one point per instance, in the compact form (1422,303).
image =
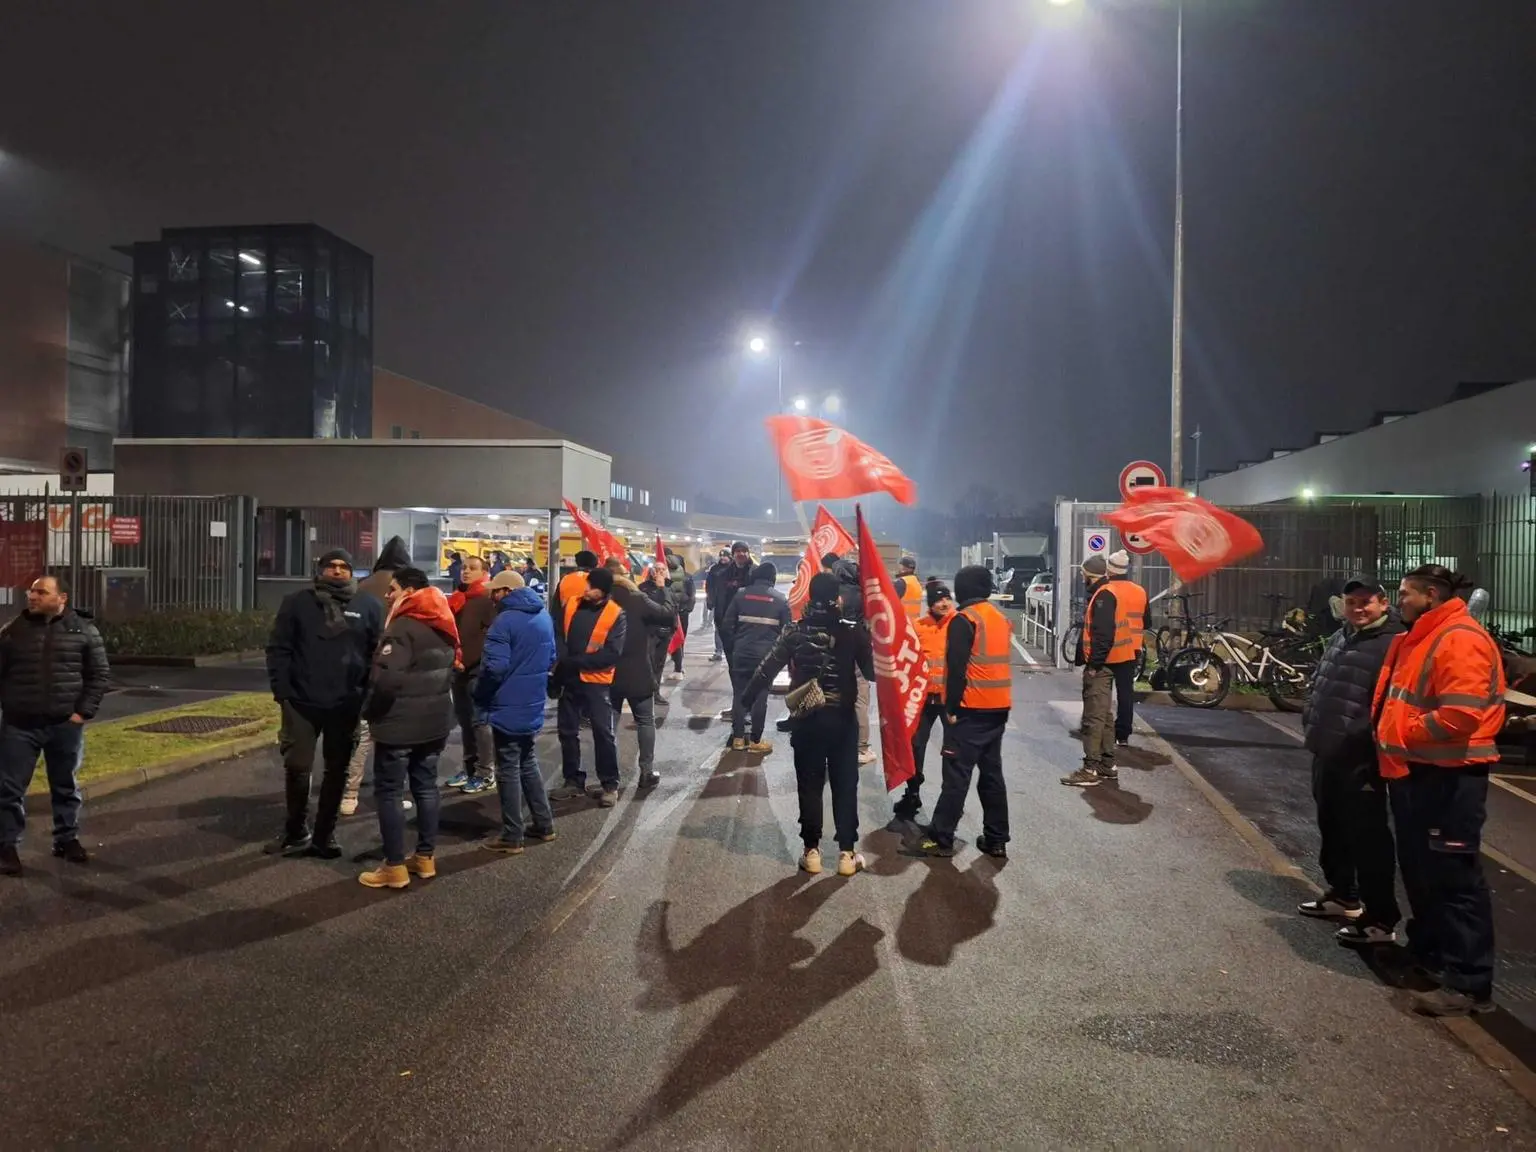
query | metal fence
(1490,539)
(136,554)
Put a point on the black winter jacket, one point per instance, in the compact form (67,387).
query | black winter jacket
(571,655)
(847,573)
(410,698)
(308,665)
(959,640)
(831,651)
(725,584)
(632,675)
(751,625)
(51,669)
(1337,717)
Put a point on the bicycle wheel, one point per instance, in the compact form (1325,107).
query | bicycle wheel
(1288,690)
(1069,640)
(1168,641)
(1198,678)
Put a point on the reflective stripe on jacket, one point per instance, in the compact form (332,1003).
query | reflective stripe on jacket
(1130,617)
(1440,696)
(933,635)
(605,622)
(988,675)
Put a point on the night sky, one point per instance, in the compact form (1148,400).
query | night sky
(962,208)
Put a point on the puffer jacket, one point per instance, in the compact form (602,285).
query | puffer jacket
(514,670)
(847,573)
(633,675)
(1337,716)
(51,668)
(410,697)
(822,647)
(680,584)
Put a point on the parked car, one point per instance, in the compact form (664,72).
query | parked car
(1041,591)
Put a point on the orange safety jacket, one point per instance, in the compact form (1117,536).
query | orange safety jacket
(1440,695)
(933,635)
(605,622)
(572,587)
(1130,619)
(988,675)
(913,598)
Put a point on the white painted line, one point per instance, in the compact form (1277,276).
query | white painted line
(1023,651)
(1503,782)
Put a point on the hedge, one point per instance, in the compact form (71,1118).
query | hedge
(188,632)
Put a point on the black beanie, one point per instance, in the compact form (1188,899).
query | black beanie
(585,559)
(972,583)
(601,579)
(335,554)
(825,588)
(937,592)
(765,573)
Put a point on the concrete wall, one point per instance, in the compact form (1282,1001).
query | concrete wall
(34,340)
(432,414)
(1471,447)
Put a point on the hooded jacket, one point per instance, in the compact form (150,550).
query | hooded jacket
(514,669)
(756,616)
(634,677)
(684,594)
(392,557)
(410,695)
(1337,716)
(51,668)
(847,573)
(314,665)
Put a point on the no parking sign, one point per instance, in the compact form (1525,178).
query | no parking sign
(1095,542)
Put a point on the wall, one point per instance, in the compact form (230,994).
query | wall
(432,414)
(34,334)
(1471,447)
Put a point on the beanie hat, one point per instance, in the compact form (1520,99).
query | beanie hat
(937,592)
(1096,566)
(973,583)
(601,579)
(585,559)
(1118,562)
(334,554)
(909,562)
(825,588)
(765,573)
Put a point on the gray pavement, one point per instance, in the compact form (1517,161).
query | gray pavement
(661,977)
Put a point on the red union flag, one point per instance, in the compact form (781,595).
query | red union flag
(597,538)
(823,462)
(901,672)
(1193,535)
(828,536)
(810,564)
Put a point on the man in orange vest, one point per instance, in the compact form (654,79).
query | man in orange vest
(1108,644)
(978,694)
(1438,708)
(933,634)
(588,643)
(909,589)
(572,586)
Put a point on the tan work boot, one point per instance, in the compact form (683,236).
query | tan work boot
(811,861)
(386,876)
(760,747)
(348,806)
(423,866)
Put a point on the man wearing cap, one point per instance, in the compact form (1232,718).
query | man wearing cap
(735,576)
(318,661)
(1108,645)
(933,634)
(589,640)
(909,589)
(1356,853)
(1122,587)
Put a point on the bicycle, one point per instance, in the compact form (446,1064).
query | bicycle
(1181,629)
(1202,677)
(1071,637)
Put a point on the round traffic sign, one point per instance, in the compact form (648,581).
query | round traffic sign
(1136,544)
(1097,542)
(1141,474)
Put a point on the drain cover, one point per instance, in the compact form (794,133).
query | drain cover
(194,725)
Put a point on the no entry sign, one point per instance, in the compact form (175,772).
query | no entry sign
(1140,474)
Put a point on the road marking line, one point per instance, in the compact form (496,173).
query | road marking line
(1024,652)
(1503,782)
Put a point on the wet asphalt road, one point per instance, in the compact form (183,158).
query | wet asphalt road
(661,977)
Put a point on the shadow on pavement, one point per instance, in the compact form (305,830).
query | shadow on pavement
(1114,804)
(1195,740)
(741,839)
(948,908)
(1311,939)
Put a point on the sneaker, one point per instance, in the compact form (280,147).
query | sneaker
(738,743)
(286,845)
(1449,1002)
(928,846)
(866,755)
(594,790)
(325,849)
(810,861)
(726,713)
(73,851)
(1108,773)
(479,784)
(504,847)
(10,860)
(1083,778)
(648,779)
(608,797)
(850,863)
(567,792)
(348,806)
(542,835)
(1365,935)
(716,659)
(996,851)
(418,865)
(1119,743)
(760,747)
(458,781)
(1330,907)
(386,876)
(661,701)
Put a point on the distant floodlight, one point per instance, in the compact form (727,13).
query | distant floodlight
(757,345)
(493,516)
(251,258)
(1061,3)
(834,403)
(800,403)
(1309,493)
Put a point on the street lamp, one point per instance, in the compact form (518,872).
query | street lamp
(800,403)
(758,346)
(833,404)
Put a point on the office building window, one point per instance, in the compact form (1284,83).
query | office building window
(679,505)
(621,492)
(396,432)
(645,497)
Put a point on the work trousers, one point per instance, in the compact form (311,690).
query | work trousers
(740,713)
(1125,698)
(592,701)
(826,747)
(1356,853)
(305,730)
(474,732)
(62,746)
(973,743)
(1439,814)
(1098,718)
(911,801)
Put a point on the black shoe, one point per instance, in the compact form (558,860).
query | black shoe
(928,846)
(648,780)
(785,724)
(996,851)
(1449,1002)
(661,701)
(73,851)
(906,810)
(10,860)
(285,845)
(326,848)
(716,659)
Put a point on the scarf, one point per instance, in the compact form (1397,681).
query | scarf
(429,606)
(334,596)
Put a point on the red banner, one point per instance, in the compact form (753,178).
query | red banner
(901,672)
(597,538)
(828,536)
(1193,535)
(823,462)
(810,564)
(23,552)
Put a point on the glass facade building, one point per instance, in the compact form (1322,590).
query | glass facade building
(262,331)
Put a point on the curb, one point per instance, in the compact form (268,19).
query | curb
(1233,702)
(135,777)
(1471,1035)
(182,661)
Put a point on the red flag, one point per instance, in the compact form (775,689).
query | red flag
(901,672)
(663,573)
(823,462)
(810,564)
(661,556)
(1193,535)
(598,539)
(829,536)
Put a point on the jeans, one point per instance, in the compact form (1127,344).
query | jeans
(740,714)
(1098,718)
(1440,814)
(61,746)
(590,700)
(643,709)
(1125,698)
(395,765)
(974,742)
(719,638)
(911,800)
(479,755)
(305,730)
(358,765)
(1356,853)
(826,745)
(518,779)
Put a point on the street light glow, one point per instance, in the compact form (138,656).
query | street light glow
(1308,493)
(757,345)
(800,403)
(1061,3)
(833,404)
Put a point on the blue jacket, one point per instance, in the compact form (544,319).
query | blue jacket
(514,672)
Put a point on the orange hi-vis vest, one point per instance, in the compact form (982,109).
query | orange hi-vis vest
(572,587)
(1440,695)
(988,675)
(1130,619)
(933,635)
(605,621)
(912,595)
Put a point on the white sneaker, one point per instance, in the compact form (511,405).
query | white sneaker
(866,755)
(849,863)
(811,861)
(1328,907)
(349,806)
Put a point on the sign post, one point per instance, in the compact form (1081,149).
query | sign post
(73,477)
(1139,474)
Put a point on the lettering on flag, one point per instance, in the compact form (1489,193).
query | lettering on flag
(901,671)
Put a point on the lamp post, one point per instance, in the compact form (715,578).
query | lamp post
(759,346)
